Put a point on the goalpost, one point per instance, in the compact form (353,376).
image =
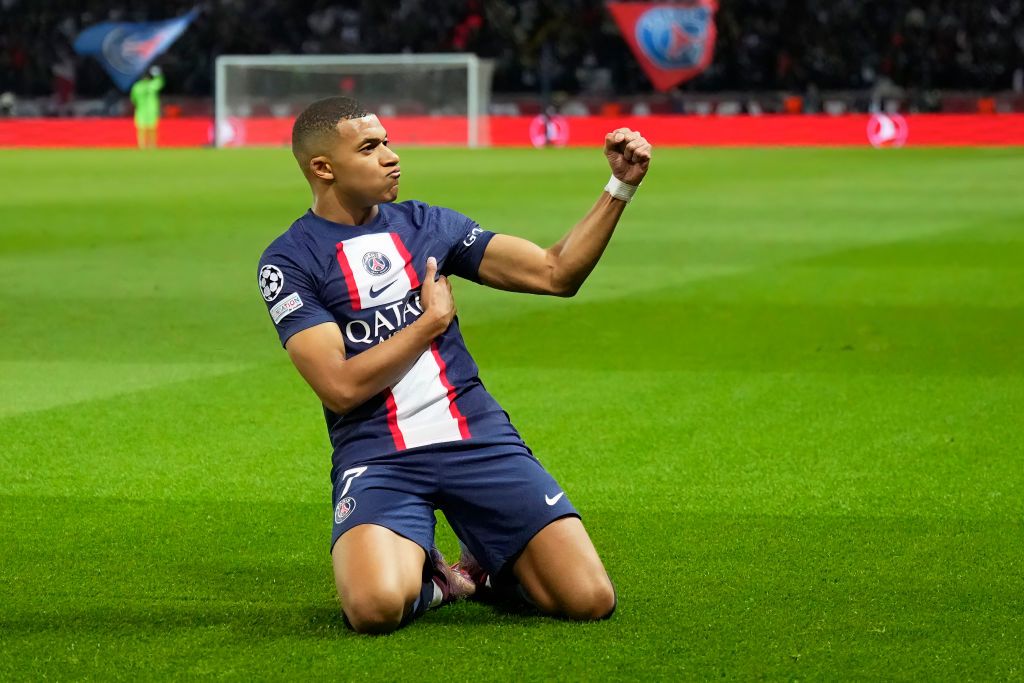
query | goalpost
(422,98)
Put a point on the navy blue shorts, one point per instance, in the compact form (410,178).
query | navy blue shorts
(496,498)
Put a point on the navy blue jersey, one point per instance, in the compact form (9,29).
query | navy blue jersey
(367,279)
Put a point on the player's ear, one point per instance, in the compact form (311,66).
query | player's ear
(320,167)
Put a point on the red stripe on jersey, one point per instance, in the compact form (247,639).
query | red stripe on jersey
(452,408)
(410,270)
(396,433)
(350,278)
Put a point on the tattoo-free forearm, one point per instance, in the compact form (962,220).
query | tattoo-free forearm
(576,254)
(381,366)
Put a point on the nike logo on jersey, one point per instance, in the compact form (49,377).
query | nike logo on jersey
(375,292)
(551,501)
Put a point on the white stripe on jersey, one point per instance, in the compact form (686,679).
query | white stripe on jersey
(425,412)
(381,251)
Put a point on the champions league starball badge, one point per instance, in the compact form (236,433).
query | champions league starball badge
(376,263)
(271,281)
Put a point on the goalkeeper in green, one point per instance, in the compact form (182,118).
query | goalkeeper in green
(145,96)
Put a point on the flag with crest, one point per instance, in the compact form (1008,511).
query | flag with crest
(127,48)
(672,41)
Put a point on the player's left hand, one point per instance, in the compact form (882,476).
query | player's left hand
(629,155)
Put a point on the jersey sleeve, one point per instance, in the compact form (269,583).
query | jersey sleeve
(290,295)
(464,241)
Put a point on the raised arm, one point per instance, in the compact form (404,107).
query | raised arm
(518,265)
(318,352)
(158,77)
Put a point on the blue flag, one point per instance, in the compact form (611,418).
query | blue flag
(127,48)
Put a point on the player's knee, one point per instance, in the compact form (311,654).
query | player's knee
(591,600)
(377,611)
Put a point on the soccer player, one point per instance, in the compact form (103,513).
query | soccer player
(145,96)
(358,291)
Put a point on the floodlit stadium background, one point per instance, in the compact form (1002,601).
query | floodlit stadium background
(788,401)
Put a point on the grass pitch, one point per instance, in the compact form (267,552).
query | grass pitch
(789,404)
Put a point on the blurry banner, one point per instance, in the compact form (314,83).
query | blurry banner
(672,41)
(126,48)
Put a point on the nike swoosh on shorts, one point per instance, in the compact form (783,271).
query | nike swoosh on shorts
(551,501)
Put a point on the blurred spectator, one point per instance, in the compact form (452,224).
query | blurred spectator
(7,102)
(803,46)
(63,69)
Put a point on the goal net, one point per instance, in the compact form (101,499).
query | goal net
(427,99)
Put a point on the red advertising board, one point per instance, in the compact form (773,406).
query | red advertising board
(522,131)
(99,132)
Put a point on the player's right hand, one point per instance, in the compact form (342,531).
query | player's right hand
(436,299)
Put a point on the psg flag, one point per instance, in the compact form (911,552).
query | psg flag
(126,48)
(672,41)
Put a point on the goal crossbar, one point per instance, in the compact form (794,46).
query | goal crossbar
(478,77)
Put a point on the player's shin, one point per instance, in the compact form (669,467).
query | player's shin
(430,596)
(441,585)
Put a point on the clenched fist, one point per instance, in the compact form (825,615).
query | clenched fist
(629,155)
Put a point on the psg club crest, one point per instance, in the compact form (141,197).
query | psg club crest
(376,263)
(344,509)
(672,42)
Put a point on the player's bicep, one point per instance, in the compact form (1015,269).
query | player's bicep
(517,265)
(318,352)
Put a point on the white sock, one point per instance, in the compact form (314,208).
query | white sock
(438,595)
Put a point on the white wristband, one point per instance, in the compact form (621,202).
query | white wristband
(620,190)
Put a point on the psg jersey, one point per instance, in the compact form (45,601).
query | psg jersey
(367,279)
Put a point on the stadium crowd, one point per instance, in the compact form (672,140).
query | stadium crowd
(570,46)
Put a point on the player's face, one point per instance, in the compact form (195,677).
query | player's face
(365,168)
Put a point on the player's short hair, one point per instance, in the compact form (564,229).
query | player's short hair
(318,123)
